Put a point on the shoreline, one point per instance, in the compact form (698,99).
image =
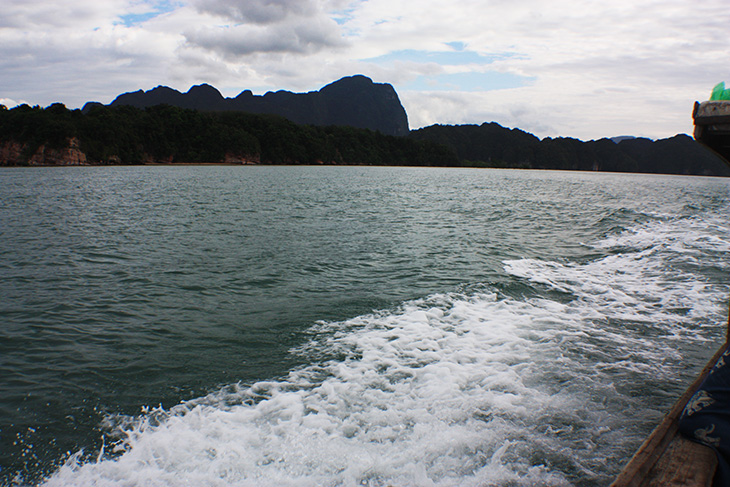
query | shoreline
(228,164)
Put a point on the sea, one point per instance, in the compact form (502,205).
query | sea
(349,326)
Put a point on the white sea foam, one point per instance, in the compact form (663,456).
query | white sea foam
(433,394)
(648,276)
(452,390)
(479,389)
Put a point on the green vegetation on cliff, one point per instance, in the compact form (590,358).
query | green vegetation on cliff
(163,133)
(353,101)
(167,134)
(492,145)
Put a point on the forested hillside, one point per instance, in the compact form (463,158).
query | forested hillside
(166,134)
(492,145)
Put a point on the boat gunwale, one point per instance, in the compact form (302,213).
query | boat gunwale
(638,470)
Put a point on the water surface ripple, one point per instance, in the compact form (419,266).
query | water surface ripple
(259,326)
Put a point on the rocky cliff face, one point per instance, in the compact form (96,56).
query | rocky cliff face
(354,101)
(12,154)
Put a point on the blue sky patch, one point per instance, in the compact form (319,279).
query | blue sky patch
(154,9)
(456,45)
(446,58)
(477,79)
(343,16)
(471,81)
(133,19)
(456,57)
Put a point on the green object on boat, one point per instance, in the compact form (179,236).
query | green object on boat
(719,92)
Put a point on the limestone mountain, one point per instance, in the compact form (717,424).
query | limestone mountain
(354,101)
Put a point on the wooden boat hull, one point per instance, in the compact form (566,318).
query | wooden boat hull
(668,459)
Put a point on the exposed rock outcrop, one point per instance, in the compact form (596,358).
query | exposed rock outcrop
(230,158)
(14,154)
(11,154)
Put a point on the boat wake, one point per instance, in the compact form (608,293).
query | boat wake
(553,387)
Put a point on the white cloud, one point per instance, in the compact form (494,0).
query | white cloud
(33,16)
(7,102)
(606,68)
(258,11)
(598,69)
(241,28)
(298,37)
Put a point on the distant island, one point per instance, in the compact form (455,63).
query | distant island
(350,121)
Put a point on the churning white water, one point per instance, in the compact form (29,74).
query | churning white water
(343,326)
(539,385)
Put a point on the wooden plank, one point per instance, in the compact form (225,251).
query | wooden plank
(650,452)
(683,464)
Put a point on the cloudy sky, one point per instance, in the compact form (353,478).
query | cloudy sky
(584,69)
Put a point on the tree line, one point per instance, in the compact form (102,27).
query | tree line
(492,145)
(163,133)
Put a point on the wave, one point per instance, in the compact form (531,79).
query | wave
(446,391)
(480,388)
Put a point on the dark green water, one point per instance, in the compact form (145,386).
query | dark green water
(348,325)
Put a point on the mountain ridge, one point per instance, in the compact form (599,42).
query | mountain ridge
(345,122)
(354,101)
(490,144)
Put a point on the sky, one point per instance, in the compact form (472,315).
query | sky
(587,69)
